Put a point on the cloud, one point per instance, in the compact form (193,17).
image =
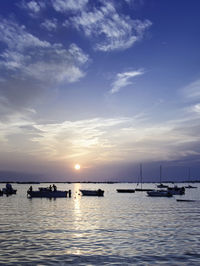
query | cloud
(192,91)
(30,65)
(123,79)
(49,25)
(110,30)
(68,5)
(34,7)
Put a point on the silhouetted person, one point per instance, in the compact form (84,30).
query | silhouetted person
(31,189)
(70,193)
(9,187)
(50,188)
(54,188)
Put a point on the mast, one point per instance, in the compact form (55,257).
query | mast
(141,174)
(160,173)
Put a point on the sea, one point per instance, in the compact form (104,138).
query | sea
(117,229)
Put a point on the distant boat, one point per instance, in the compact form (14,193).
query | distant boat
(47,193)
(161,185)
(189,186)
(98,192)
(185,200)
(141,182)
(125,190)
(8,190)
(176,190)
(159,193)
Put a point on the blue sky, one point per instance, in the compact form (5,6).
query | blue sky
(106,84)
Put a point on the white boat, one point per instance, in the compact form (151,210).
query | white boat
(159,193)
(98,192)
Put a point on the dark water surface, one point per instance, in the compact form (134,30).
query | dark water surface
(117,229)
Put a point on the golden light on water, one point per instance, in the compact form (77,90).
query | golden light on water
(77,166)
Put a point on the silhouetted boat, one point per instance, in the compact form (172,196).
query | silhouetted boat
(125,190)
(159,193)
(176,190)
(185,200)
(8,190)
(189,186)
(141,182)
(98,192)
(161,185)
(47,193)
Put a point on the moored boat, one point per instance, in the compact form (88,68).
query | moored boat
(47,193)
(159,193)
(8,190)
(125,190)
(98,192)
(176,190)
(162,186)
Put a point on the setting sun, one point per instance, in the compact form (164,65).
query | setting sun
(77,166)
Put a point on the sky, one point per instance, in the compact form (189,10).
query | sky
(103,84)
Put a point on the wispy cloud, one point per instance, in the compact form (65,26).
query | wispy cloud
(29,65)
(192,90)
(68,5)
(49,25)
(124,79)
(109,29)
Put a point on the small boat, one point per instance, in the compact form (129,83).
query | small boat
(185,200)
(98,192)
(47,193)
(159,193)
(8,190)
(176,190)
(141,182)
(125,190)
(162,186)
(189,186)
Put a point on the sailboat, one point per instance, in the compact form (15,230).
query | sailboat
(141,182)
(189,186)
(161,185)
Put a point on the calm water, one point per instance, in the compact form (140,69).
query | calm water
(118,229)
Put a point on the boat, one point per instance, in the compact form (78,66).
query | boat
(161,185)
(189,186)
(125,190)
(176,190)
(185,200)
(159,193)
(141,189)
(47,193)
(98,192)
(8,190)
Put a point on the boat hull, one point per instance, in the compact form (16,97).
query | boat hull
(9,192)
(126,190)
(159,194)
(47,194)
(98,193)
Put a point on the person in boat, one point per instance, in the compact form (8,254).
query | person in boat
(54,187)
(50,187)
(9,187)
(31,189)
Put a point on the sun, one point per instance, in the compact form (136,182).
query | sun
(77,166)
